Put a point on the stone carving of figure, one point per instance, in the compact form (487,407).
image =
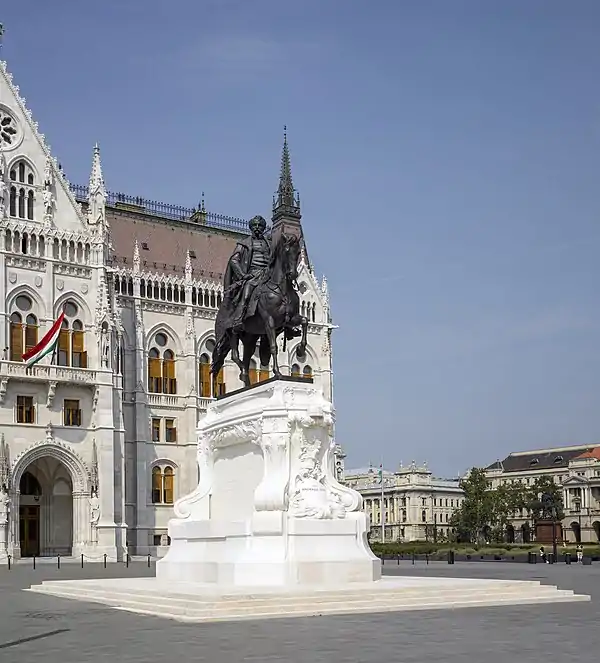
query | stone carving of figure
(4,505)
(94,508)
(104,348)
(47,195)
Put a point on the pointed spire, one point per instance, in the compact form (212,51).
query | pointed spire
(286,202)
(325,292)
(97,191)
(136,257)
(188,267)
(96,177)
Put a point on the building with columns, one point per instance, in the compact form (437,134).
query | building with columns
(98,439)
(417,506)
(576,469)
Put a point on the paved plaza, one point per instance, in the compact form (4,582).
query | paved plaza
(35,628)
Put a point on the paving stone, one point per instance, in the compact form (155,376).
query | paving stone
(75,632)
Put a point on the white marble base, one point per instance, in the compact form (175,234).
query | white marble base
(195,602)
(268,509)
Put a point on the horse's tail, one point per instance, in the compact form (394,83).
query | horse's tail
(220,353)
(222,346)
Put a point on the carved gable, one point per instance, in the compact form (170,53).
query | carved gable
(35,190)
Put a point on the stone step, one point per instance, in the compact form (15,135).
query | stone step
(147,587)
(265,598)
(197,607)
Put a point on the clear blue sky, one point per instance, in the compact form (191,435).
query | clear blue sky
(448,159)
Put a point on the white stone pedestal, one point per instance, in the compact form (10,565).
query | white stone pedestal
(268,510)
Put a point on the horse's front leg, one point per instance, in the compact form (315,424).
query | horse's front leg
(272,336)
(249,344)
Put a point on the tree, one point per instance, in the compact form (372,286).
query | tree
(485,513)
(475,513)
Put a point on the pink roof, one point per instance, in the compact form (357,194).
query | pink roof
(167,243)
(590,453)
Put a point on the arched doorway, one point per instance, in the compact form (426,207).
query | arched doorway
(45,508)
(29,515)
(576,527)
(596,528)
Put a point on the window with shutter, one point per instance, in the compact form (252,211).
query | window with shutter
(205,391)
(168,485)
(64,348)
(71,413)
(31,332)
(169,382)
(221,389)
(16,341)
(156,485)
(78,349)
(154,375)
(170,430)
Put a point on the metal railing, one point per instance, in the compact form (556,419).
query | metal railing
(165,210)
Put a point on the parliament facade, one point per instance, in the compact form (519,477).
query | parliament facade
(98,439)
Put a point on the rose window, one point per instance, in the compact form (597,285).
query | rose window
(8,130)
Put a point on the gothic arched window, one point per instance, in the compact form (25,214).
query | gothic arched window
(22,194)
(163,484)
(23,328)
(71,341)
(161,367)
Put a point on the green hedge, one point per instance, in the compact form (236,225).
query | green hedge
(424,548)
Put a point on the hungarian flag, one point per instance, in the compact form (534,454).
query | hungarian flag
(46,345)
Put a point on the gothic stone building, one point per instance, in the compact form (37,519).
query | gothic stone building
(99,439)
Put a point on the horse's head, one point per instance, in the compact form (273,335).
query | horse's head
(290,247)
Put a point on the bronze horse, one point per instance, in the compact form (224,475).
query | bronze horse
(277,311)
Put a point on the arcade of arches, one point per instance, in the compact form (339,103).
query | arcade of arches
(45,509)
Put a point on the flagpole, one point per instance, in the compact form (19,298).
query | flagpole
(382,507)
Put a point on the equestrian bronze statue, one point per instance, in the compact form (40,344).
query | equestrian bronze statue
(260,302)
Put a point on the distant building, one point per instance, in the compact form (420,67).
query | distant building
(418,506)
(576,469)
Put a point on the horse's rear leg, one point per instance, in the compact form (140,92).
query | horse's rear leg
(302,322)
(235,354)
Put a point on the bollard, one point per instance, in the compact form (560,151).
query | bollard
(398,558)
(567,558)
(34,562)
(427,558)
(451,557)
(382,560)
(81,560)
(148,560)
(8,560)
(127,560)
(58,561)
(413,558)
(104,560)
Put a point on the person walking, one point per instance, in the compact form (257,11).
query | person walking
(579,550)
